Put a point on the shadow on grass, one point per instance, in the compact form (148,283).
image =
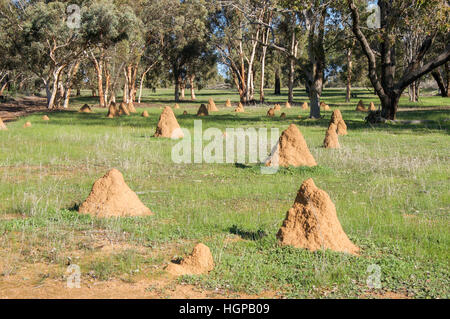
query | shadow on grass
(249,235)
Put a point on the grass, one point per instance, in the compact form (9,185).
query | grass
(389,183)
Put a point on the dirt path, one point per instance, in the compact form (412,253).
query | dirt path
(11,110)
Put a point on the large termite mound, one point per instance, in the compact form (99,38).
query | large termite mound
(85,109)
(288,105)
(372,107)
(228,103)
(277,107)
(202,110)
(2,125)
(271,112)
(168,125)
(312,222)
(200,261)
(131,107)
(337,119)
(305,106)
(145,114)
(176,106)
(331,137)
(45,118)
(212,106)
(291,150)
(111,197)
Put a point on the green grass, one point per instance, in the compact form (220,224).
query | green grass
(389,183)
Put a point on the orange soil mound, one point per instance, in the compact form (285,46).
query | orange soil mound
(85,109)
(144,114)
(112,110)
(360,107)
(131,107)
(168,125)
(240,108)
(324,106)
(288,105)
(27,124)
(305,106)
(2,125)
(271,112)
(202,111)
(185,113)
(291,150)
(228,103)
(111,197)
(312,222)
(283,115)
(212,106)
(123,109)
(331,137)
(372,107)
(337,119)
(45,118)
(277,107)
(176,106)
(200,261)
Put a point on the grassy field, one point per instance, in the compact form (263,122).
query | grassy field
(390,184)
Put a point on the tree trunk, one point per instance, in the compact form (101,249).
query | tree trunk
(191,84)
(389,106)
(277,82)
(263,66)
(315,91)
(349,75)
(178,81)
(440,82)
(291,80)
(51,98)
(182,90)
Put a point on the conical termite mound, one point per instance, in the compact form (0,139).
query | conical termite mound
(45,118)
(123,109)
(112,110)
(360,107)
(324,106)
(111,197)
(168,125)
(331,137)
(202,110)
(3,126)
(212,106)
(144,114)
(312,222)
(305,106)
(277,107)
(131,107)
(337,119)
(291,150)
(176,106)
(288,105)
(27,124)
(240,108)
(271,112)
(200,261)
(228,103)
(85,109)
(372,107)
(283,115)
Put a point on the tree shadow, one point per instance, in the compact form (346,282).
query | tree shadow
(249,235)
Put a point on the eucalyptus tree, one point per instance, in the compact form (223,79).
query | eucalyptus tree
(396,18)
